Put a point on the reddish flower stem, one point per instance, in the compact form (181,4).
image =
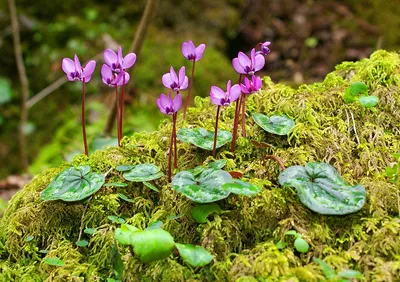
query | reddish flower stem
(121,108)
(190,89)
(243,114)
(118,115)
(236,120)
(174,135)
(170,153)
(216,132)
(83,119)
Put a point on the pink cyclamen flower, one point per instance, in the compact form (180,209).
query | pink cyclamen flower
(111,78)
(251,86)
(245,65)
(75,71)
(221,98)
(265,49)
(173,82)
(167,105)
(116,62)
(191,52)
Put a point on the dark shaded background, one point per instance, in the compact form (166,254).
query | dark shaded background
(308,39)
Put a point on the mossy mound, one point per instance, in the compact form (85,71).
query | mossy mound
(357,141)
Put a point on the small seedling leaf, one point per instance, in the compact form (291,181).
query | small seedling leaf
(82,243)
(54,261)
(201,211)
(196,256)
(301,245)
(151,186)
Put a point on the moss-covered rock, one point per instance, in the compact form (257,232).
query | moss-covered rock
(358,142)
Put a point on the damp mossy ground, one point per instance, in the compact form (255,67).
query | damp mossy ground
(358,142)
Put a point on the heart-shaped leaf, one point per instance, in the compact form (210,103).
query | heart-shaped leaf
(368,101)
(124,168)
(355,90)
(240,187)
(204,188)
(203,138)
(151,245)
(196,256)
(143,172)
(54,261)
(73,184)
(201,211)
(323,190)
(219,164)
(279,125)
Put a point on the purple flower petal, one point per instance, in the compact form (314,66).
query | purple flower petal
(185,83)
(259,62)
(106,71)
(244,89)
(174,77)
(89,68)
(244,60)
(217,92)
(120,55)
(162,103)
(166,80)
(78,67)
(257,83)
(237,66)
(185,50)
(177,102)
(120,78)
(87,78)
(200,51)
(129,60)
(215,101)
(110,57)
(235,92)
(68,65)
(181,75)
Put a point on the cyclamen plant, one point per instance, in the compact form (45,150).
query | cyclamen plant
(221,98)
(193,54)
(114,74)
(75,72)
(170,106)
(245,65)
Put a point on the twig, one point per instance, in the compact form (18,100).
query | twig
(83,216)
(355,129)
(24,83)
(46,91)
(136,46)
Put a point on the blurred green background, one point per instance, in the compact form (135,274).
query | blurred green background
(308,39)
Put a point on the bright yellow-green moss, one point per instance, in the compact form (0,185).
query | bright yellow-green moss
(357,141)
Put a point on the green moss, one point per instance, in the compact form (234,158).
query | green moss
(357,141)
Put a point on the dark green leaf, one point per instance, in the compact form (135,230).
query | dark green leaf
(143,172)
(101,142)
(327,270)
(151,245)
(279,125)
(240,187)
(203,138)
(200,212)
(54,261)
(125,198)
(354,90)
(368,101)
(82,243)
(90,230)
(116,219)
(196,256)
(29,238)
(205,188)
(155,225)
(151,186)
(301,245)
(124,168)
(5,91)
(115,184)
(219,164)
(322,190)
(73,184)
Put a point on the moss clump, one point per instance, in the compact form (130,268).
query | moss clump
(357,141)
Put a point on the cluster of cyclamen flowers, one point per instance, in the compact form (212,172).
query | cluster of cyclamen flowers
(113,74)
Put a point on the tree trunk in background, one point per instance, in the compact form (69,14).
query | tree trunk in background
(24,83)
(145,21)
